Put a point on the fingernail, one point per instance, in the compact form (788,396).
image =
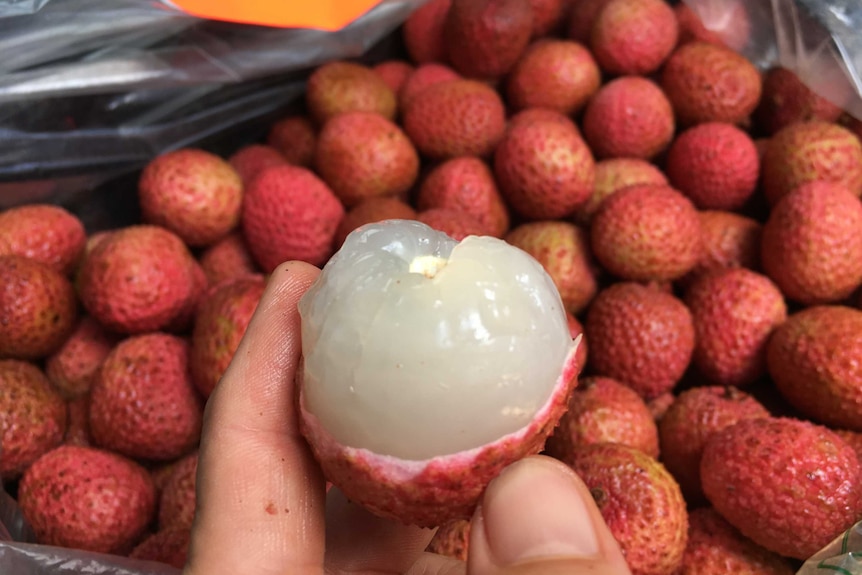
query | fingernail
(535,510)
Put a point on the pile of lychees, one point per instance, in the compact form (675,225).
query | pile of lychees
(701,220)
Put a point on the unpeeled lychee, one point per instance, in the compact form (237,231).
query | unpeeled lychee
(295,138)
(729,240)
(423,32)
(422,77)
(582,18)
(370,211)
(634,36)
(169,546)
(789,485)
(227,259)
(452,222)
(548,16)
(394,73)
(613,175)
(725,24)
(78,422)
(45,233)
(564,251)
(787,100)
(178,500)
(251,160)
(73,368)
(338,86)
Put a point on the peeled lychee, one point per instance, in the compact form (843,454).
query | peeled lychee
(423,32)
(613,175)
(45,233)
(73,368)
(370,211)
(338,86)
(425,316)
(227,259)
(634,36)
(295,138)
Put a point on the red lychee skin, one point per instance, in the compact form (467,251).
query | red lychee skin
(87,499)
(613,175)
(659,405)
(484,38)
(466,184)
(582,18)
(544,168)
(639,336)
(45,233)
(729,241)
(647,233)
(221,322)
(177,503)
(290,214)
(715,164)
(183,322)
(563,249)
(362,155)
(78,422)
(94,240)
(729,24)
(139,279)
(371,211)
(787,100)
(227,259)
(251,160)
(423,32)
(548,16)
(452,222)
(424,76)
(716,548)
(169,546)
(811,151)
(629,117)
(789,485)
(73,368)
(32,416)
(693,417)
(811,246)
(559,75)
(603,410)
(193,193)
(735,312)
(709,83)
(144,404)
(38,308)
(452,540)
(394,73)
(814,361)
(634,36)
(338,87)
(632,491)
(431,492)
(455,118)
(295,138)
(576,329)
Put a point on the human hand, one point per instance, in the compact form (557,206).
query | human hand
(262,506)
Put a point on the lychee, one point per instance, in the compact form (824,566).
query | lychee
(295,138)
(548,16)
(634,36)
(73,368)
(452,540)
(227,259)
(787,100)
(423,32)
(452,222)
(251,160)
(394,73)
(371,211)
(582,18)
(45,233)
(725,24)
(178,500)
(338,86)
(422,77)
(729,240)
(78,422)
(169,546)
(613,175)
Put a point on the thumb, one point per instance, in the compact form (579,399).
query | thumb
(538,517)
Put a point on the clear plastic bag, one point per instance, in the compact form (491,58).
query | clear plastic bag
(843,555)
(9,8)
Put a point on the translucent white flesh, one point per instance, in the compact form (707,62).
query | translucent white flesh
(451,356)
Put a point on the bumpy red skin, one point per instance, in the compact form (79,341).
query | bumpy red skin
(424,76)
(371,211)
(813,359)
(603,410)
(647,233)
(177,502)
(544,168)
(735,312)
(730,25)
(431,492)
(789,485)
(73,368)
(582,19)
(694,416)
(193,193)
(38,308)
(423,32)
(221,322)
(452,540)
(183,322)
(78,422)
(454,223)
(45,233)
(808,152)
(548,16)
(729,240)
(363,155)
(338,87)
(251,160)
(629,117)
(295,138)
(394,73)
(563,249)
(716,548)
(227,259)
(851,438)
(715,164)
(88,499)
(709,83)
(641,503)
(466,184)
(455,118)
(639,336)
(144,405)
(138,279)
(556,74)
(169,546)
(290,214)
(484,38)
(811,246)
(32,416)
(634,36)
(659,405)
(787,100)
(613,175)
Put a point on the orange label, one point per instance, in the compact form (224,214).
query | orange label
(321,14)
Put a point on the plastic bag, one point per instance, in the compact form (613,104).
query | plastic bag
(843,555)
(90,89)
(9,8)
(817,39)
